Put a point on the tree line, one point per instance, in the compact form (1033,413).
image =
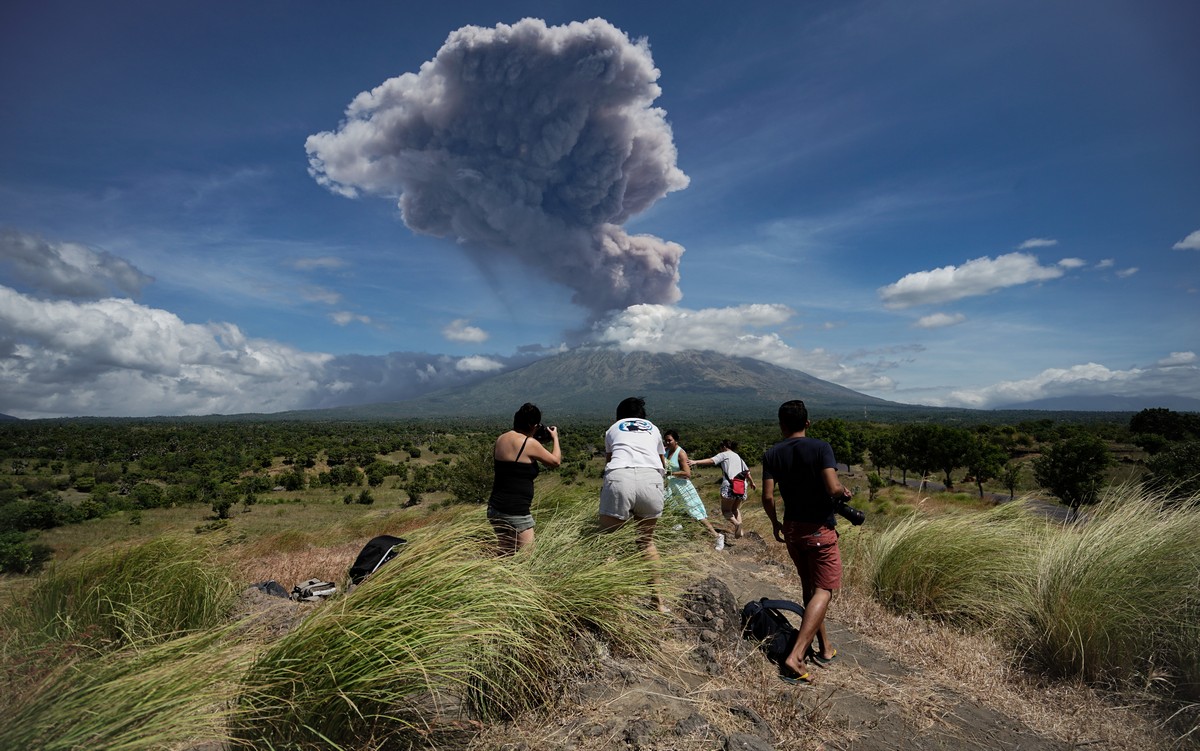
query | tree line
(106,467)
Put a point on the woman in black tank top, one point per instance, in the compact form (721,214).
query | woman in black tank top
(516,460)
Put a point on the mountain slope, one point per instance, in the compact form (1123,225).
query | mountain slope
(588,384)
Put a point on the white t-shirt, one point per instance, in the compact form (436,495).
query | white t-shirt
(634,442)
(730,463)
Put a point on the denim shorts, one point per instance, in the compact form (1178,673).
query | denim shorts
(632,491)
(505,522)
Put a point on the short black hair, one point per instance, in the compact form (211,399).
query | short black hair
(634,406)
(673,433)
(526,417)
(793,416)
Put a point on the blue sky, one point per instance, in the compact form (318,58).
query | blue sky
(961,204)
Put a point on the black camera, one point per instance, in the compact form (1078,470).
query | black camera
(542,434)
(848,512)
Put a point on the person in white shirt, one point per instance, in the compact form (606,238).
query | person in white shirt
(732,467)
(633,478)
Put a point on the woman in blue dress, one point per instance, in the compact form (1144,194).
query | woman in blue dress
(680,488)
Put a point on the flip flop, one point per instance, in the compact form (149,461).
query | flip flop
(793,678)
(822,661)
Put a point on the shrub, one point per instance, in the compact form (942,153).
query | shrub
(470,479)
(20,556)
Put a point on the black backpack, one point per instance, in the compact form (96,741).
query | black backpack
(763,621)
(378,551)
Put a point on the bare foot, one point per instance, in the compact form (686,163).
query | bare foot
(796,666)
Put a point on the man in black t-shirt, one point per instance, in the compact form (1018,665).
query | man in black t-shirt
(806,472)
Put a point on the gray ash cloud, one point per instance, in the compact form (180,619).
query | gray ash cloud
(524,142)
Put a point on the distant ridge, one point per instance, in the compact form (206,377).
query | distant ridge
(1109,403)
(9,418)
(588,384)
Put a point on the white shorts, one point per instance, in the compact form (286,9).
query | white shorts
(636,491)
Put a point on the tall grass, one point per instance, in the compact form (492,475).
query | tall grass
(448,627)
(1115,599)
(966,568)
(117,597)
(148,696)
(1118,599)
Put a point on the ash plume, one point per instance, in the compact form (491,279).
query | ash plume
(523,142)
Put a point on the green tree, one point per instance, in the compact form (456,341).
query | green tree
(985,460)
(882,448)
(148,495)
(874,484)
(950,448)
(1176,471)
(1073,469)
(470,478)
(20,556)
(1010,476)
(915,450)
(223,500)
(1173,426)
(836,433)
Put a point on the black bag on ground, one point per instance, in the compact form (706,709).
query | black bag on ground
(378,551)
(271,587)
(764,621)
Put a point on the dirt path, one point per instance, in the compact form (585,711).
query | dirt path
(870,700)
(715,691)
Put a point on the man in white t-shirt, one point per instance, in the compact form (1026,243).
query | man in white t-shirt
(633,477)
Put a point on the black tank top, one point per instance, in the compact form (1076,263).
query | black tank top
(512,486)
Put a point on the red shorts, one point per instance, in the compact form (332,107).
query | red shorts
(814,550)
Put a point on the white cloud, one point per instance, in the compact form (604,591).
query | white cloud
(68,269)
(733,331)
(345,317)
(320,294)
(1107,263)
(939,320)
(116,357)
(1126,273)
(1178,358)
(1037,242)
(461,330)
(1191,242)
(1176,375)
(479,364)
(976,277)
(310,264)
(1072,263)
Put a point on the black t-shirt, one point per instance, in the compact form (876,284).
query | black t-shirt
(797,465)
